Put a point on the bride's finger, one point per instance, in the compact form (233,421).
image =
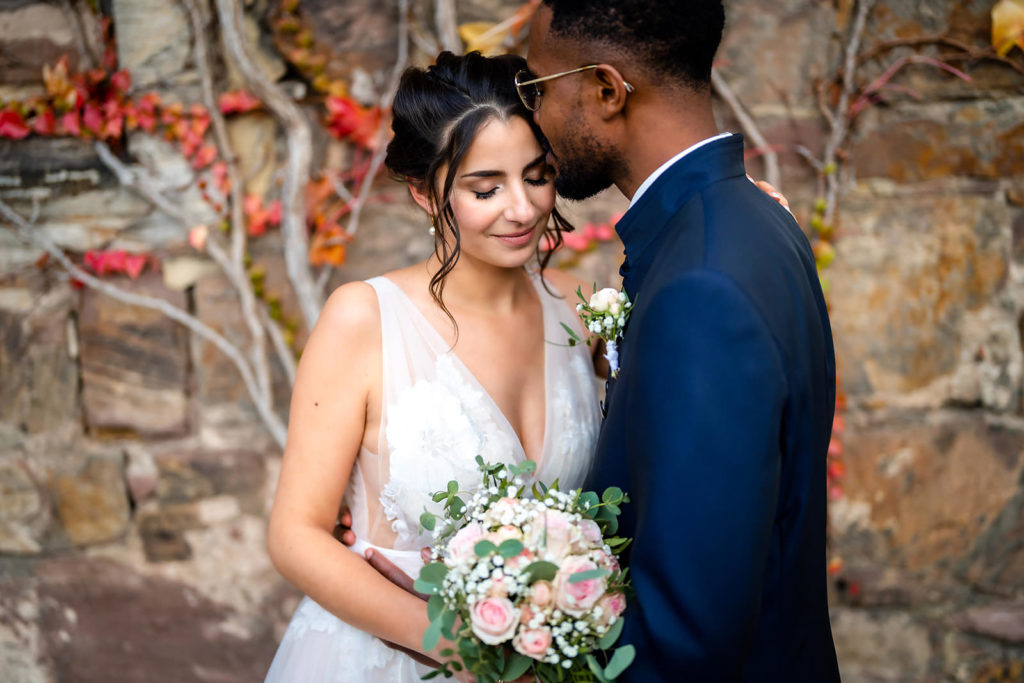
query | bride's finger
(770,190)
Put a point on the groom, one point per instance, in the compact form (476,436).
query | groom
(719,422)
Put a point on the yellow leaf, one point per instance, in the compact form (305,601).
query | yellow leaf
(1008,26)
(484,36)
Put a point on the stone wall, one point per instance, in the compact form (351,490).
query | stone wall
(135,477)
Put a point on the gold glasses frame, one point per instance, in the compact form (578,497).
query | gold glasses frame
(533,81)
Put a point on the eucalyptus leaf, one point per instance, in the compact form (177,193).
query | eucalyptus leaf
(432,636)
(612,494)
(453,487)
(484,548)
(435,606)
(428,521)
(596,669)
(622,658)
(516,666)
(589,574)
(540,571)
(426,587)
(434,572)
(612,634)
(510,548)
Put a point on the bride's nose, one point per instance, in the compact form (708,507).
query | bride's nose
(520,208)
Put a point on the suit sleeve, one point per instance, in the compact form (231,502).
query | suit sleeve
(705,406)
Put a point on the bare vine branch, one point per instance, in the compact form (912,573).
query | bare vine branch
(750,127)
(447,25)
(299,143)
(238,227)
(36,238)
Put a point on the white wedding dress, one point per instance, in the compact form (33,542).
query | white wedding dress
(436,419)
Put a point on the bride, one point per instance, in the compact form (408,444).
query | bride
(407,377)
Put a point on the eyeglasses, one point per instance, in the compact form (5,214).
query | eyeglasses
(529,93)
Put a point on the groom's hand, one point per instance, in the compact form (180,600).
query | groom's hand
(343,529)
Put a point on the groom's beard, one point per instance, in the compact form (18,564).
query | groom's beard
(584,167)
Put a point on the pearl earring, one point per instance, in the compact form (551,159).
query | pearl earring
(432,230)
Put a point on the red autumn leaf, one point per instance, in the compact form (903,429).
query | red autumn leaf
(149,102)
(171,113)
(92,119)
(147,121)
(346,118)
(116,262)
(121,81)
(12,125)
(70,123)
(133,265)
(576,241)
(274,212)
(238,102)
(205,156)
(112,129)
(219,171)
(199,125)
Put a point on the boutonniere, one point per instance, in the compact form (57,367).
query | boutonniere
(604,315)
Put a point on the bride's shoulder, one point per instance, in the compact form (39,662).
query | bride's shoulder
(351,310)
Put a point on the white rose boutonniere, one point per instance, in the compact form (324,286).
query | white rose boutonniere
(604,315)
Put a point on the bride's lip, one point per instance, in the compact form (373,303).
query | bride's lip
(518,239)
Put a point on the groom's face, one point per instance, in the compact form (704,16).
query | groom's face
(583,160)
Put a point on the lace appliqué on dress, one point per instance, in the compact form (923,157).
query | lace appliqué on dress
(435,430)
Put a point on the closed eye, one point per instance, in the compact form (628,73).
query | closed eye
(486,195)
(537,182)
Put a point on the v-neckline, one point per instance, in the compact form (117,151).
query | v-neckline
(542,456)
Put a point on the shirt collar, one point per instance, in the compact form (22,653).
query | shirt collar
(665,166)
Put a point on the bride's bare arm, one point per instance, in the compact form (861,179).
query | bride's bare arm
(339,367)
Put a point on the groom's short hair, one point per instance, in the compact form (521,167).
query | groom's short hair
(675,39)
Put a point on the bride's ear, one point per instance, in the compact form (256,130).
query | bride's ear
(420,197)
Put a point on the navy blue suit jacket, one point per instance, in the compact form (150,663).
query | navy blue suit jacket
(718,427)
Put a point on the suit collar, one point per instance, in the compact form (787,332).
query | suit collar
(644,224)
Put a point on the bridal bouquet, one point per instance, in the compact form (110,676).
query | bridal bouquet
(526,584)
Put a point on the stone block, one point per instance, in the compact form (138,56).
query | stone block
(134,362)
(34,34)
(910,271)
(92,504)
(920,142)
(882,648)
(25,516)
(39,390)
(115,620)
(924,495)
(1001,621)
(153,39)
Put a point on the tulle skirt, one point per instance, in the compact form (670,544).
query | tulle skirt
(320,648)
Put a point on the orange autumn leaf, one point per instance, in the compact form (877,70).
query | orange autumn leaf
(328,247)
(484,36)
(1007,26)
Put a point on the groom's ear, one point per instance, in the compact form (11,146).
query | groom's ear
(612,93)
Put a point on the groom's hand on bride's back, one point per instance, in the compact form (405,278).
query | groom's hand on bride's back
(343,529)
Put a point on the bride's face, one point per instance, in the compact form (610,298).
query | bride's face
(503,194)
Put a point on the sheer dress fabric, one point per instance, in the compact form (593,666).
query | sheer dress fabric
(435,419)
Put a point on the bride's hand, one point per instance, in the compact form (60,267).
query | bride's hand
(770,190)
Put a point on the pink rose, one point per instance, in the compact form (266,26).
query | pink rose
(502,510)
(493,620)
(553,533)
(576,598)
(605,561)
(523,558)
(505,533)
(540,594)
(461,546)
(528,612)
(499,588)
(591,534)
(533,642)
(612,606)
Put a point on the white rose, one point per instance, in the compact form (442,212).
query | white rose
(602,300)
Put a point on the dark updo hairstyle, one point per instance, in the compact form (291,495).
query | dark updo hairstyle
(436,115)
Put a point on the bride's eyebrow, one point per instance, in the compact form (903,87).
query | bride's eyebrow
(540,160)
